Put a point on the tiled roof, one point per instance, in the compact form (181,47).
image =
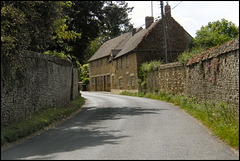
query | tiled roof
(132,43)
(126,43)
(115,43)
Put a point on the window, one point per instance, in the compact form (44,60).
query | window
(112,80)
(101,61)
(91,64)
(121,83)
(127,80)
(132,81)
(97,62)
(101,80)
(107,60)
(127,61)
(92,81)
(98,81)
(117,64)
(122,62)
(108,79)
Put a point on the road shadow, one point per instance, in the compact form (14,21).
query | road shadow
(79,132)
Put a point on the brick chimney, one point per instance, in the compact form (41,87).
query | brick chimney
(148,21)
(134,31)
(167,11)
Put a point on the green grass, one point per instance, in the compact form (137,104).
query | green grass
(220,118)
(38,121)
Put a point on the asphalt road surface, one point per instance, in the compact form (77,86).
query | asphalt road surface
(122,127)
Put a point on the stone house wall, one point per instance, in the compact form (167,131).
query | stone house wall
(149,48)
(48,82)
(100,72)
(178,40)
(125,75)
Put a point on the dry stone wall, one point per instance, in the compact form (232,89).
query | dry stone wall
(212,75)
(48,82)
(216,78)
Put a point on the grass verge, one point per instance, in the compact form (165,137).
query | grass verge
(220,118)
(38,121)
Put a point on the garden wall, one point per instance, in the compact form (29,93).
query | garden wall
(212,75)
(47,82)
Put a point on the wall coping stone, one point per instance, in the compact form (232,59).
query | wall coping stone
(56,60)
(215,51)
(171,65)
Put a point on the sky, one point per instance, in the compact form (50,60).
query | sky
(191,15)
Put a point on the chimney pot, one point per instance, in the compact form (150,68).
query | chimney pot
(134,30)
(167,11)
(148,21)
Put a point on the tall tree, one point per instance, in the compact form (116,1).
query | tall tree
(61,26)
(94,18)
(116,19)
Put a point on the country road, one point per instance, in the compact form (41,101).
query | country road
(121,127)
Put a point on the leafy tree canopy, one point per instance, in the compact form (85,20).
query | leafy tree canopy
(94,18)
(213,34)
(30,25)
(61,26)
(216,33)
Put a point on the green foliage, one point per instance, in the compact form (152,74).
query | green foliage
(213,34)
(92,48)
(144,69)
(57,54)
(92,19)
(116,19)
(30,23)
(186,55)
(67,26)
(84,73)
(216,33)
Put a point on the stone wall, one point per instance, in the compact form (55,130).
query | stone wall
(212,75)
(215,78)
(48,82)
(169,77)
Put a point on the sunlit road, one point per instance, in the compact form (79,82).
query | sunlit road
(121,127)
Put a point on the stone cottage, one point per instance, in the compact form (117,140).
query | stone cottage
(115,65)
